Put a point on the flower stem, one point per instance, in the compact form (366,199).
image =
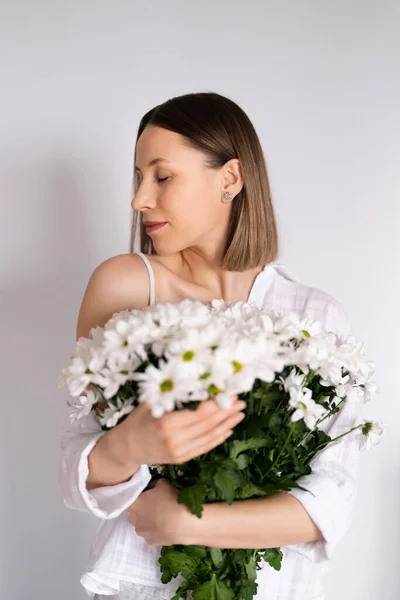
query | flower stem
(281,450)
(319,422)
(337,438)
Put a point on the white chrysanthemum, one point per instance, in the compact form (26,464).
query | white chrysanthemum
(82,406)
(233,365)
(343,386)
(96,336)
(113,413)
(355,393)
(127,335)
(271,358)
(293,380)
(187,313)
(369,434)
(350,354)
(122,314)
(233,311)
(85,345)
(370,389)
(265,360)
(310,327)
(81,372)
(116,373)
(191,348)
(216,350)
(306,407)
(287,324)
(162,387)
(318,353)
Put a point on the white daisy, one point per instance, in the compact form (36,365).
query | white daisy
(82,406)
(306,407)
(113,413)
(161,387)
(369,434)
(82,372)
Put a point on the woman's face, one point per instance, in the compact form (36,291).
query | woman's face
(181,191)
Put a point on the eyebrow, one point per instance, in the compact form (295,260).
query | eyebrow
(153,162)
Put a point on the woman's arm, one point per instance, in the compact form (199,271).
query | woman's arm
(94,476)
(107,500)
(106,462)
(258,523)
(116,284)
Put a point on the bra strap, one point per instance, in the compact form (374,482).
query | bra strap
(151,277)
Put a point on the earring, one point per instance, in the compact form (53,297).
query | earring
(228,196)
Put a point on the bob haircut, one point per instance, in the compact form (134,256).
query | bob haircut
(221,130)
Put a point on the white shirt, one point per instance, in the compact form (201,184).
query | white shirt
(119,557)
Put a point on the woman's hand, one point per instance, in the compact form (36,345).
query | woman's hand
(177,436)
(157,516)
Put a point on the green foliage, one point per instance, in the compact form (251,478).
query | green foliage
(227,479)
(193,497)
(267,453)
(213,589)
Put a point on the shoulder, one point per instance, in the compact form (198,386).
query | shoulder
(122,273)
(120,282)
(289,293)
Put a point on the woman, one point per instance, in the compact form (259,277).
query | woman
(207,230)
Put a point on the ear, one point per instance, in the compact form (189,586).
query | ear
(232,178)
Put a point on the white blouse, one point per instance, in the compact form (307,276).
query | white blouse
(121,560)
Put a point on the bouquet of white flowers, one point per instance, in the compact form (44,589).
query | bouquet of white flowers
(291,372)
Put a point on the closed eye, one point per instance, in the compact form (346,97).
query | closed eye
(162,180)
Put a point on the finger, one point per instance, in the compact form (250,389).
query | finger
(215,426)
(205,409)
(208,408)
(201,447)
(206,442)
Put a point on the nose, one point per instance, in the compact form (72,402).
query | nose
(142,201)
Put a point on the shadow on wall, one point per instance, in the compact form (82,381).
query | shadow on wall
(47,270)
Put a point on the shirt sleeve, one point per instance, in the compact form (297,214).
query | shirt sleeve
(334,481)
(105,502)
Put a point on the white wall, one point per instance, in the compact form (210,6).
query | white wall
(320,80)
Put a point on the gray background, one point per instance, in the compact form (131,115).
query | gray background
(320,81)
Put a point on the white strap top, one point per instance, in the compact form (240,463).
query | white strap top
(151,277)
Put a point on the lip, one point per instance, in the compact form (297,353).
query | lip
(153,225)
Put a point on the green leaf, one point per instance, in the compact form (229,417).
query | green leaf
(214,589)
(217,556)
(251,570)
(241,445)
(248,490)
(227,480)
(248,590)
(181,591)
(166,574)
(240,556)
(274,421)
(195,551)
(273,556)
(242,461)
(178,562)
(193,497)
